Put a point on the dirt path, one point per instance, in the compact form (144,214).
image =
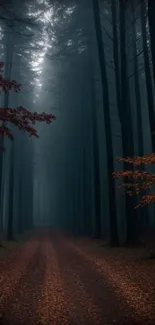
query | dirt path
(55,280)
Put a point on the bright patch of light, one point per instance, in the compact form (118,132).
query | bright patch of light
(40,60)
(41,54)
(34,14)
(38,72)
(36,69)
(43,1)
(37,82)
(47,15)
(41,43)
(55,20)
(42,12)
(70,10)
(70,42)
(35,64)
(28,28)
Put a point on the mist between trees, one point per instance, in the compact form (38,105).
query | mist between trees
(90,63)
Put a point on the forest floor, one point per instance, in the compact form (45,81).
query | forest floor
(54,280)
(12,245)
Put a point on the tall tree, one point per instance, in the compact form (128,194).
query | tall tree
(147,69)
(97,192)
(114,240)
(151,11)
(10,228)
(126,123)
(144,213)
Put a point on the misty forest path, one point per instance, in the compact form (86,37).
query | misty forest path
(54,279)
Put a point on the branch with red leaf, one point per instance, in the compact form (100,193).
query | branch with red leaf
(137,181)
(20,117)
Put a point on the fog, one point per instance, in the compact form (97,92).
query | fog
(62,179)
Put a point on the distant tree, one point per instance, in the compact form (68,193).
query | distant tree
(151,9)
(137,180)
(147,68)
(23,120)
(150,12)
(96,163)
(114,240)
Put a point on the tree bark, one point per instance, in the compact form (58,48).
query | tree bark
(96,165)
(148,75)
(114,239)
(10,231)
(143,215)
(151,11)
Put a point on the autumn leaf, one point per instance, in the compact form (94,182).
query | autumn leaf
(20,117)
(137,181)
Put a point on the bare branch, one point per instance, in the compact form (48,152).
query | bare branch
(104,16)
(107,33)
(110,64)
(131,75)
(138,54)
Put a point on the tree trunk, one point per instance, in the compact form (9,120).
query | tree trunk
(124,112)
(114,240)
(10,235)
(7,75)
(96,165)
(143,213)
(151,11)
(148,75)
(8,71)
